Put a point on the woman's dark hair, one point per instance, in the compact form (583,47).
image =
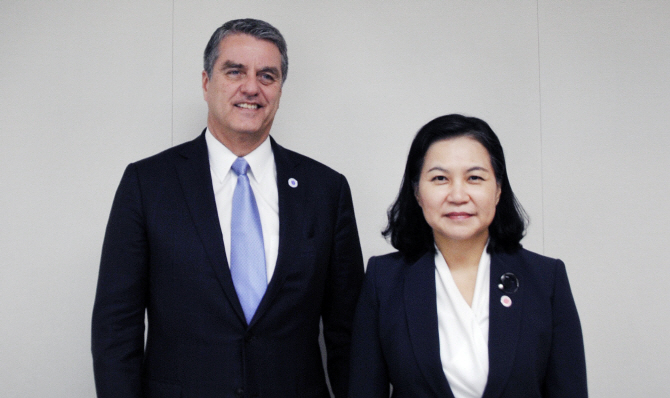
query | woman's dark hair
(407,228)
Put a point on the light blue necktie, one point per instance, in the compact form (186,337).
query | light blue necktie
(247,252)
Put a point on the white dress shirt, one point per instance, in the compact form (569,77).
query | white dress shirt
(263,180)
(463,330)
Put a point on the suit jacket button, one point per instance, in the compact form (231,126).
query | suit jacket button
(239,392)
(249,337)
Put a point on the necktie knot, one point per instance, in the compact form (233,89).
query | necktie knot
(240,166)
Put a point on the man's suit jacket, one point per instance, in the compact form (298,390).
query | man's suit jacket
(164,251)
(535,345)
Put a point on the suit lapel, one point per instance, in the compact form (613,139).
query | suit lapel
(421,308)
(504,325)
(196,181)
(292,205)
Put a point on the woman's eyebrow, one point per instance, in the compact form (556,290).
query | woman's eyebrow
(478,168)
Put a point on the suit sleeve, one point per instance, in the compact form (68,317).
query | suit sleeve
(343,284)
(368,376)
(117,338)
(566,369)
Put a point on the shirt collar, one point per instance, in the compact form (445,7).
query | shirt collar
(482,269)
(260,160)
(480,298)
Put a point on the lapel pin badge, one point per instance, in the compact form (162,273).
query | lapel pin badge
(292,182)
(506,301)
(509,283)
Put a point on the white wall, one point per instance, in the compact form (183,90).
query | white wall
(578,92)
(605,88)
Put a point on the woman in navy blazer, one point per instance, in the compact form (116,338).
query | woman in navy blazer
(455,214)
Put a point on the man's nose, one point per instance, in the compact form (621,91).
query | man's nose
(250,86)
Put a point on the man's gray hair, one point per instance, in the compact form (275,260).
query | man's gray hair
(253,27)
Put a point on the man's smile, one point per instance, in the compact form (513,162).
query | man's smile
(247,105)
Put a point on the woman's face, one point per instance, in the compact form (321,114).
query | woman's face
(457,191)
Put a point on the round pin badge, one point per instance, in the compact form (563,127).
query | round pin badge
(509,283)
(292,182)
(506,301)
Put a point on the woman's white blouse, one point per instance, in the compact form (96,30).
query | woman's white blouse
(463,330)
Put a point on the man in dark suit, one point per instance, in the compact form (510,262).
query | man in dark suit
(192,231)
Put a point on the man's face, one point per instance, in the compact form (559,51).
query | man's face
(243,90)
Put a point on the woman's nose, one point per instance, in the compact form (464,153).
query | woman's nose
(457,193)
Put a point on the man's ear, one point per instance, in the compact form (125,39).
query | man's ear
(205,83)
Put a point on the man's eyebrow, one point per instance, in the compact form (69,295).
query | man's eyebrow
(231,65)
(270,69)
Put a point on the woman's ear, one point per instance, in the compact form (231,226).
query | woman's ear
(415,187)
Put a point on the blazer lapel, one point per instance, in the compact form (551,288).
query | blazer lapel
(421,308)
(195,178)
(504,324)
(291,221)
